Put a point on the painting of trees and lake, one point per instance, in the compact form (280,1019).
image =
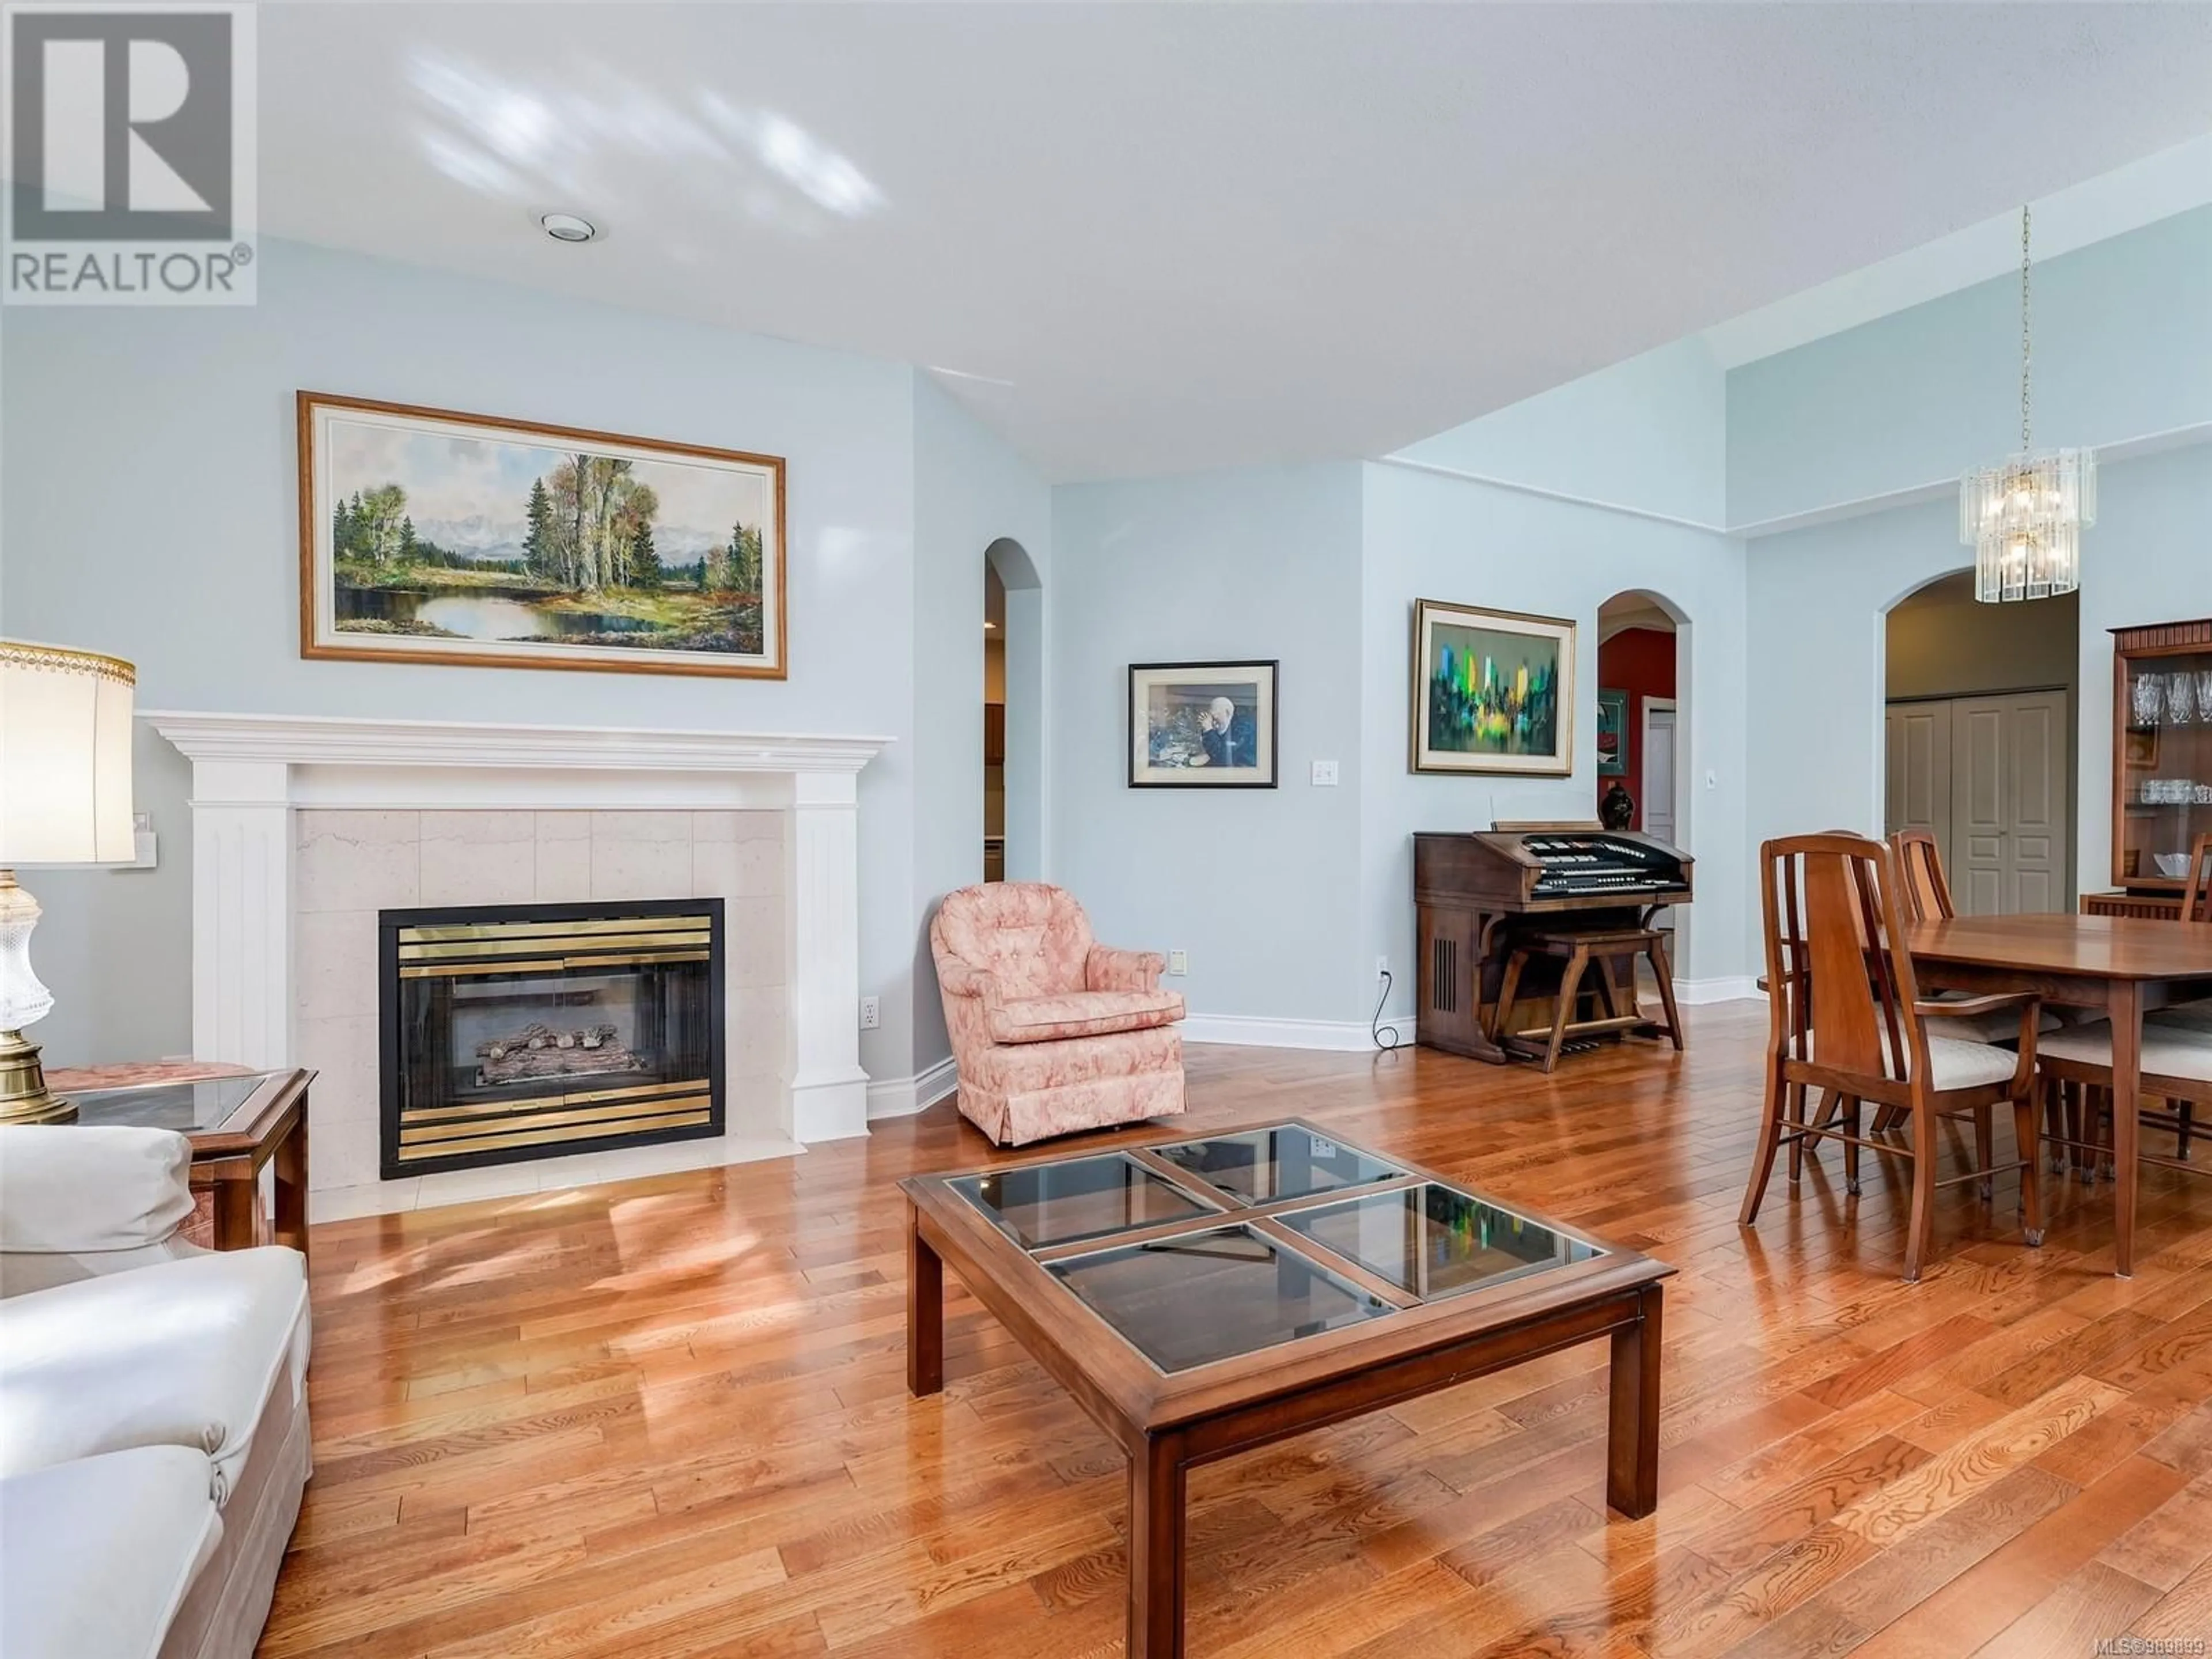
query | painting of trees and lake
(1493,691)
(436,537)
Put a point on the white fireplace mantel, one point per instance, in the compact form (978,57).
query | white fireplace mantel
(322,740)
(251,772)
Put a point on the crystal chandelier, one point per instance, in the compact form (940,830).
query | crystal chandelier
(2024,517)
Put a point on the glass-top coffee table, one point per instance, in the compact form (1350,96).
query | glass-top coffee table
(1202,1296)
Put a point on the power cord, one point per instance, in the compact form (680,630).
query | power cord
(1376,1029)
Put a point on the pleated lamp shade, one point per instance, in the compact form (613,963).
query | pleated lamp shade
(65,755)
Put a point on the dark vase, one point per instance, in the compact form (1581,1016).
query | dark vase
(1618,810)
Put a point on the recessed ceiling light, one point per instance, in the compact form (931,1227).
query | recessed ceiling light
(568,227)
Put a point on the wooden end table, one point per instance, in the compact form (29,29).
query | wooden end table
(238,1122)
(1201,1297)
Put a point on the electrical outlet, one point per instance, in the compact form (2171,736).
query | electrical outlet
(872,1013)
(1178,962)
(1381,967)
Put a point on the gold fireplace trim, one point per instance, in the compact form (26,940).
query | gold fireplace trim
(519,944)
(546,965)
(443,1132)
(447,933)
(667,1114)
(573,1098)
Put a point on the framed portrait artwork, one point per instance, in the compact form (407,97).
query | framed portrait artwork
(428,536)
(1493,691)
(1612,733)
(1203,726)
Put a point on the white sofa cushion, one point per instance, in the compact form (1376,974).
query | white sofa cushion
(72,1190)
(181,1354)
(100,1552)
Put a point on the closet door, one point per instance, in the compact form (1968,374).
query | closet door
(2008,850)
(1919,793)
(2041,814)
(1981,774)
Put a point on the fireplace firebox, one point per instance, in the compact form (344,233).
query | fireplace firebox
(513,1032)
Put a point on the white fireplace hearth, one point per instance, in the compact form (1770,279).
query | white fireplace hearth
(304,828)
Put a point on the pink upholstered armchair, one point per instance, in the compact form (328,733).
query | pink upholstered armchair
(1052,1032)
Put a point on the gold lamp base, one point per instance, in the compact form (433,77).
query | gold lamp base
(23,1095)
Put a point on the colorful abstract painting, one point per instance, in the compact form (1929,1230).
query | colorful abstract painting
(1493,691)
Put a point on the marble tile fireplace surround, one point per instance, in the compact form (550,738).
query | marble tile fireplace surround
(305,828)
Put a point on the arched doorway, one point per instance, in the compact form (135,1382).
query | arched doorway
(1013,697)
(1643,729)
(1979,739)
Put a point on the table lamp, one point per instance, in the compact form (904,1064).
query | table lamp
(64,799)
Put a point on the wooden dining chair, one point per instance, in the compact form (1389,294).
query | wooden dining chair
(1835,928)
(1928,898)
(1920,862)
(2175,1063)
(2174,1067)
(2196,886)
(2196,910)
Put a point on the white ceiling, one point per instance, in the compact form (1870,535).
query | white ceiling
(1157,238)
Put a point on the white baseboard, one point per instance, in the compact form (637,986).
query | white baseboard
(903,1096)
(1357,1036)
(1734,987)
(1249,1030)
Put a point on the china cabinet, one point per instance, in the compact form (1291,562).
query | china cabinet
(2161,763)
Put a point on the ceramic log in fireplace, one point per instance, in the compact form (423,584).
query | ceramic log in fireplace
(512,1032)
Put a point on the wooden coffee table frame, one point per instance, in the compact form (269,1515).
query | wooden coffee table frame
(1167,1422)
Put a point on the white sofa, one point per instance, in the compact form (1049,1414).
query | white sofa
(152,1407)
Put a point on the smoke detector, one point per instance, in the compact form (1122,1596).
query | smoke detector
(568,227)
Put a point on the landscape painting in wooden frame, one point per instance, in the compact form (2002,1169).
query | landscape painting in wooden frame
(431,536)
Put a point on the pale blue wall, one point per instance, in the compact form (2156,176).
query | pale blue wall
(970,490)
(1649,433)
(1429,537)
(2123,349)
(1260,887)
(1817,601)
(149,511)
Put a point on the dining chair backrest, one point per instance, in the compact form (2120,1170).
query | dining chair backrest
(2197,890)
(1920,863)
(1835,930)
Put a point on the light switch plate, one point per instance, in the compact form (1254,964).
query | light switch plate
(1324,775)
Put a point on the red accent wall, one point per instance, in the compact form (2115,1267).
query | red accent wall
(1641,662)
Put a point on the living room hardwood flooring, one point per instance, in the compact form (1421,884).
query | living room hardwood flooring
(669,1417)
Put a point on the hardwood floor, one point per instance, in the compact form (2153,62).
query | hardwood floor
(671,1417)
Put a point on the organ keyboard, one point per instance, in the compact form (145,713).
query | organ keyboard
(1472,891)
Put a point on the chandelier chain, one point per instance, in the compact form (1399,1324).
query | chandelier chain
(2025,445)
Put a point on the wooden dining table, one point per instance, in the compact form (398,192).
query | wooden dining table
(2127,966)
